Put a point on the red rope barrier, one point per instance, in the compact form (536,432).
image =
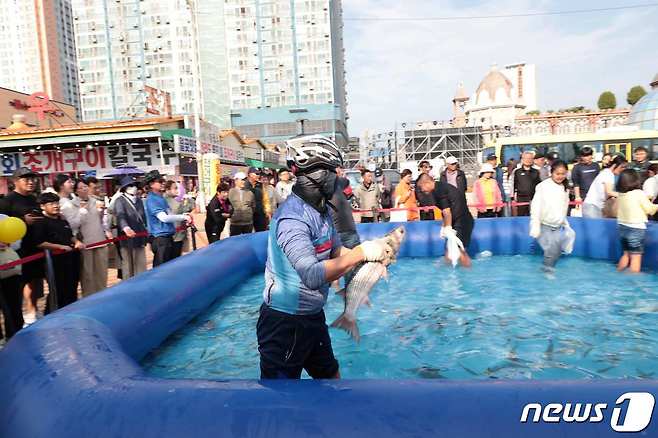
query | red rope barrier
(431,208)
(41,255)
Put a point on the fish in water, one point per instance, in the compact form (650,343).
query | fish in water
(364,279)
(427,372)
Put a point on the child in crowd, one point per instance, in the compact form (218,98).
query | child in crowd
(55,234)
(633,208)
(548,214)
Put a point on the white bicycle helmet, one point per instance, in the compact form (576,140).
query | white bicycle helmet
(313,152)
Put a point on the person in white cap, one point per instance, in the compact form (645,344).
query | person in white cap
(243,202)
(453,175)
(488,197)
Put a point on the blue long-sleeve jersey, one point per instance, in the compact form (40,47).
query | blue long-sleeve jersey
(300,240)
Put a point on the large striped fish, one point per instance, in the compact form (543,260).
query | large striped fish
(367,274)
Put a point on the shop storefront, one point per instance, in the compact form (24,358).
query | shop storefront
(90,149)
(213,160)
(164,144)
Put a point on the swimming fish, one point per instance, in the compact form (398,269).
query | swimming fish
(427,372)
(364,279)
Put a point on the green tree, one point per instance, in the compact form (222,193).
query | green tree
(636,93)
(607,100)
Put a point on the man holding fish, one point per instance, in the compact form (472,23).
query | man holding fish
(457,220)
(304,256)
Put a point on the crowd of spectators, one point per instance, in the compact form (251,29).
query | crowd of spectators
(72,216)
(81,232)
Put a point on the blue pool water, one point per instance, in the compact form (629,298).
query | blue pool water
(501,319)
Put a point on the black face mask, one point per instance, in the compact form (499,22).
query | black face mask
(316,188)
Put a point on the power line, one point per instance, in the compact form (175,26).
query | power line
(486,17)
(64,112)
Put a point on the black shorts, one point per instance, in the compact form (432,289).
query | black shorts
(464,228)
(289,344)
(33,270)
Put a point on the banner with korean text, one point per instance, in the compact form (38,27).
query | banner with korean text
(101,159)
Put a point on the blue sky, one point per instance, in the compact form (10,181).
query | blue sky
(408,71)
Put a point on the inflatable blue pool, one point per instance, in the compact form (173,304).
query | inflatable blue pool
(76,373)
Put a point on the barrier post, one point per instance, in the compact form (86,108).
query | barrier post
(193,230)
(9,320)
(50,278)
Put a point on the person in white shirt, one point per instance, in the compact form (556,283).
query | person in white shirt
(548,214)
(284,186)
(64,187)
(650,186)
(603,187)
(634,211)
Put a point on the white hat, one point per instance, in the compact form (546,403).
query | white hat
(486,168)
(451,160)
(239,175)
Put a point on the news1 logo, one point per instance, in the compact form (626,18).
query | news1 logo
(638,412)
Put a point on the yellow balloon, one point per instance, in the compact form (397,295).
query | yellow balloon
(12,229)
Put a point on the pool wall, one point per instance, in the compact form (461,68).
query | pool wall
(75,373)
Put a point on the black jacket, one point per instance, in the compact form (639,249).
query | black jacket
(461,179)
(130,215)
(17,205)
(342,215)
(214,211)
(426,200)
(525,182)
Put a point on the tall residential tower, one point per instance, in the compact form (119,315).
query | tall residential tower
(284,71)
(270,68)
(37,48)
(126,45)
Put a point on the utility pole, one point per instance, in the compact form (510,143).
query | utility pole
(301,125)
(395,140)
(197,90)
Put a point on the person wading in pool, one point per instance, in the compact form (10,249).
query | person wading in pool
(457,218)
(304,256)
(548,214)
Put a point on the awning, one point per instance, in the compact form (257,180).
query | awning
(168,134)
(263,164)
(88,138)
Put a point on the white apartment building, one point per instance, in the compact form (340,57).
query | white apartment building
(37,48)
(279,53)
(286,69)
(124,45)
(270,68)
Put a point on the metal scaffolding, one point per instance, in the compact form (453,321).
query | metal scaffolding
(428,143)
(425,141)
